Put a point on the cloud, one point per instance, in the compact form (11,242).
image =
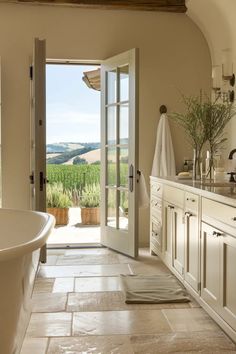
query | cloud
(70,117)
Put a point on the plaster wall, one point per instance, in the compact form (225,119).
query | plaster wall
(174,59)
(216,19)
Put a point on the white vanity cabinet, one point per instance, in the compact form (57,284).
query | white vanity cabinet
(156,219)
(192,241)
(173,228)
(197,241)
(218,287)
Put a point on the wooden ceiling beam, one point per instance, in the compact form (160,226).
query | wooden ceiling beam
(177,6)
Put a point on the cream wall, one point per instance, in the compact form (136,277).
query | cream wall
(216,19)
(174,57)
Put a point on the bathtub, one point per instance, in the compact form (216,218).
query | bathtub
(22,233)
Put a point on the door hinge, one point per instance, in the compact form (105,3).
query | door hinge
(31,177)
(31,72)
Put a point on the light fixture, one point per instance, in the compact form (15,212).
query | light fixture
(223,78)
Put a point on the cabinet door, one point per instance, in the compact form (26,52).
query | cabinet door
(192,239)
(210,266)
(178,239)
(167,232)
(228,279)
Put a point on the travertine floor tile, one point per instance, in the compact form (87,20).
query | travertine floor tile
(56,251)
(89,251)
(119,322)
(185,342)
(88,259)
(83,270)
(194,319)
(50,324)
(48,302)
(51,260)
(91,344)
(63,285)
(43,285)
(93,284)
(111,301)
(34,346)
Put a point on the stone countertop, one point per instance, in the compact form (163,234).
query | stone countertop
(224,192)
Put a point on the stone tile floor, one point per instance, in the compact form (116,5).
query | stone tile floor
(78,307)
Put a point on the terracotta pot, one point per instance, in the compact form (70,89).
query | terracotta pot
(61,215)
(90,216)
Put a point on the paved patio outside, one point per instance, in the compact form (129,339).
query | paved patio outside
(74,232)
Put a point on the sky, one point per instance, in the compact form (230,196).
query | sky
(73,110)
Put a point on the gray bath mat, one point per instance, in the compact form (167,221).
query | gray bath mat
(153,289)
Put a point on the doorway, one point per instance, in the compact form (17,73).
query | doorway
(73,153)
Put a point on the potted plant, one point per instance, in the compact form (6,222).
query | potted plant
(58,203)
(89,203)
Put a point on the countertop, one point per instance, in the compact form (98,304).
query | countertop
(224,192)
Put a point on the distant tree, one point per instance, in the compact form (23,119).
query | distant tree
(79,161)
(96,163)
(60,159)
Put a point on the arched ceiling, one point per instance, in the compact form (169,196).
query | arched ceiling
(216,19)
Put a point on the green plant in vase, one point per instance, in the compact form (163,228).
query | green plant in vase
(204,122)
(218,116)
(193,122)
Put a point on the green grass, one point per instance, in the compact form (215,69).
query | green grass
(73,176)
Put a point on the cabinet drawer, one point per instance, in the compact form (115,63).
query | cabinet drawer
(174,195)
(156,205)
(221,212)
(156,189)
(191,201)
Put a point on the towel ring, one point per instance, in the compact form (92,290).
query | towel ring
(163,109)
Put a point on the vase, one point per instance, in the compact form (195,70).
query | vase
(211,167)
(197,164)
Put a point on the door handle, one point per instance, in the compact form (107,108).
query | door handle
(131,178)
(42,181)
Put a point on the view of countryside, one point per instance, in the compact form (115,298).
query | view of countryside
(73,147)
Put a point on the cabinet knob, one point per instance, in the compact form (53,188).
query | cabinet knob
(190,199)
(217,234)
(188,214)
(171,207)
(234,218)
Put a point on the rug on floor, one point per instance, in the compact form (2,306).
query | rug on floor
(153,289)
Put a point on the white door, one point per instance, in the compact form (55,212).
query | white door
(119,146)
(38,130)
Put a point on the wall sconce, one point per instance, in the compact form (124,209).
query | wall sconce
(223,78)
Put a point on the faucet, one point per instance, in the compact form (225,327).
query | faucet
(231,154)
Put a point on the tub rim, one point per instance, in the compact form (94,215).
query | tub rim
(37,241)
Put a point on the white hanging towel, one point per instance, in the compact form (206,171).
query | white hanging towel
(143,194)
(164,159)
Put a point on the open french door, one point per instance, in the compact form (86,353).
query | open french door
(38,130)
(119,158)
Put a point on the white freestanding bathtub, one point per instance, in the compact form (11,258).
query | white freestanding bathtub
(22,233)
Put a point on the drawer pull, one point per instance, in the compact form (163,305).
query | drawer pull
(216,234)
(191,200)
